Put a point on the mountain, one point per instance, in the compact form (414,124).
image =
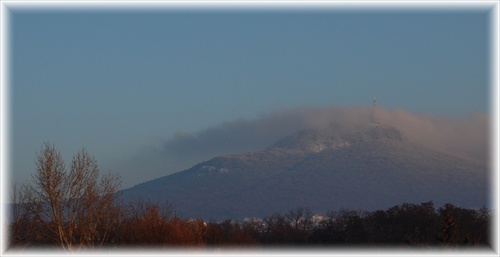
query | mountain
(365,167)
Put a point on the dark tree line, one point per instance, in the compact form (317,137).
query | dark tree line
(406,224)
(80,209)
(147,224)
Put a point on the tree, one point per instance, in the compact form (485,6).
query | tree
(300,220)
(348,227)
(462,226)
(147,223)
(277,230)
(412,224)
(77,208)
(449,234)
(25,230)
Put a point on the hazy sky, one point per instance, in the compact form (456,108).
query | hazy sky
(127,85)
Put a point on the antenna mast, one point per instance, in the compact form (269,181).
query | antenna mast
(374,108)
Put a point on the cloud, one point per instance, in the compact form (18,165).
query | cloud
(236,137)
(249,135)
(466,136)
(460,135)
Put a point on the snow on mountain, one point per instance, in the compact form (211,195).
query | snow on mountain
(330,139)
(365,167)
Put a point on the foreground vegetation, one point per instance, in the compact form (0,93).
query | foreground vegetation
(148,224)
(80,209)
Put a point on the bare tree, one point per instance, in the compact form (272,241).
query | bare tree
(27,220)
(147,222)
(300,218)
(76,207)
(48,191)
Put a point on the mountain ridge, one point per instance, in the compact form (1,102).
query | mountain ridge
(365,167)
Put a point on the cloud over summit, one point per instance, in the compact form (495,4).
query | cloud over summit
(466,136)
(461,135)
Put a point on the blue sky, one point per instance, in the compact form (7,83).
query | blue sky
(119,82)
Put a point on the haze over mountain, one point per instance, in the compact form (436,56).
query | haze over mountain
(466,135)
(363,166)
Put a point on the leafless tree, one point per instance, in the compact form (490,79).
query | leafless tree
(300,218)
(78,208)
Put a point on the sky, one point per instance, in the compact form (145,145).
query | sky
(151,92)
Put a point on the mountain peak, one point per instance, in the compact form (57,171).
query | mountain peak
(380,132)
(364,167)
(334,137)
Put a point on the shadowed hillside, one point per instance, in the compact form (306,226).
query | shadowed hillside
(364,167)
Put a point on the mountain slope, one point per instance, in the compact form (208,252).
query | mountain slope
(366,167)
